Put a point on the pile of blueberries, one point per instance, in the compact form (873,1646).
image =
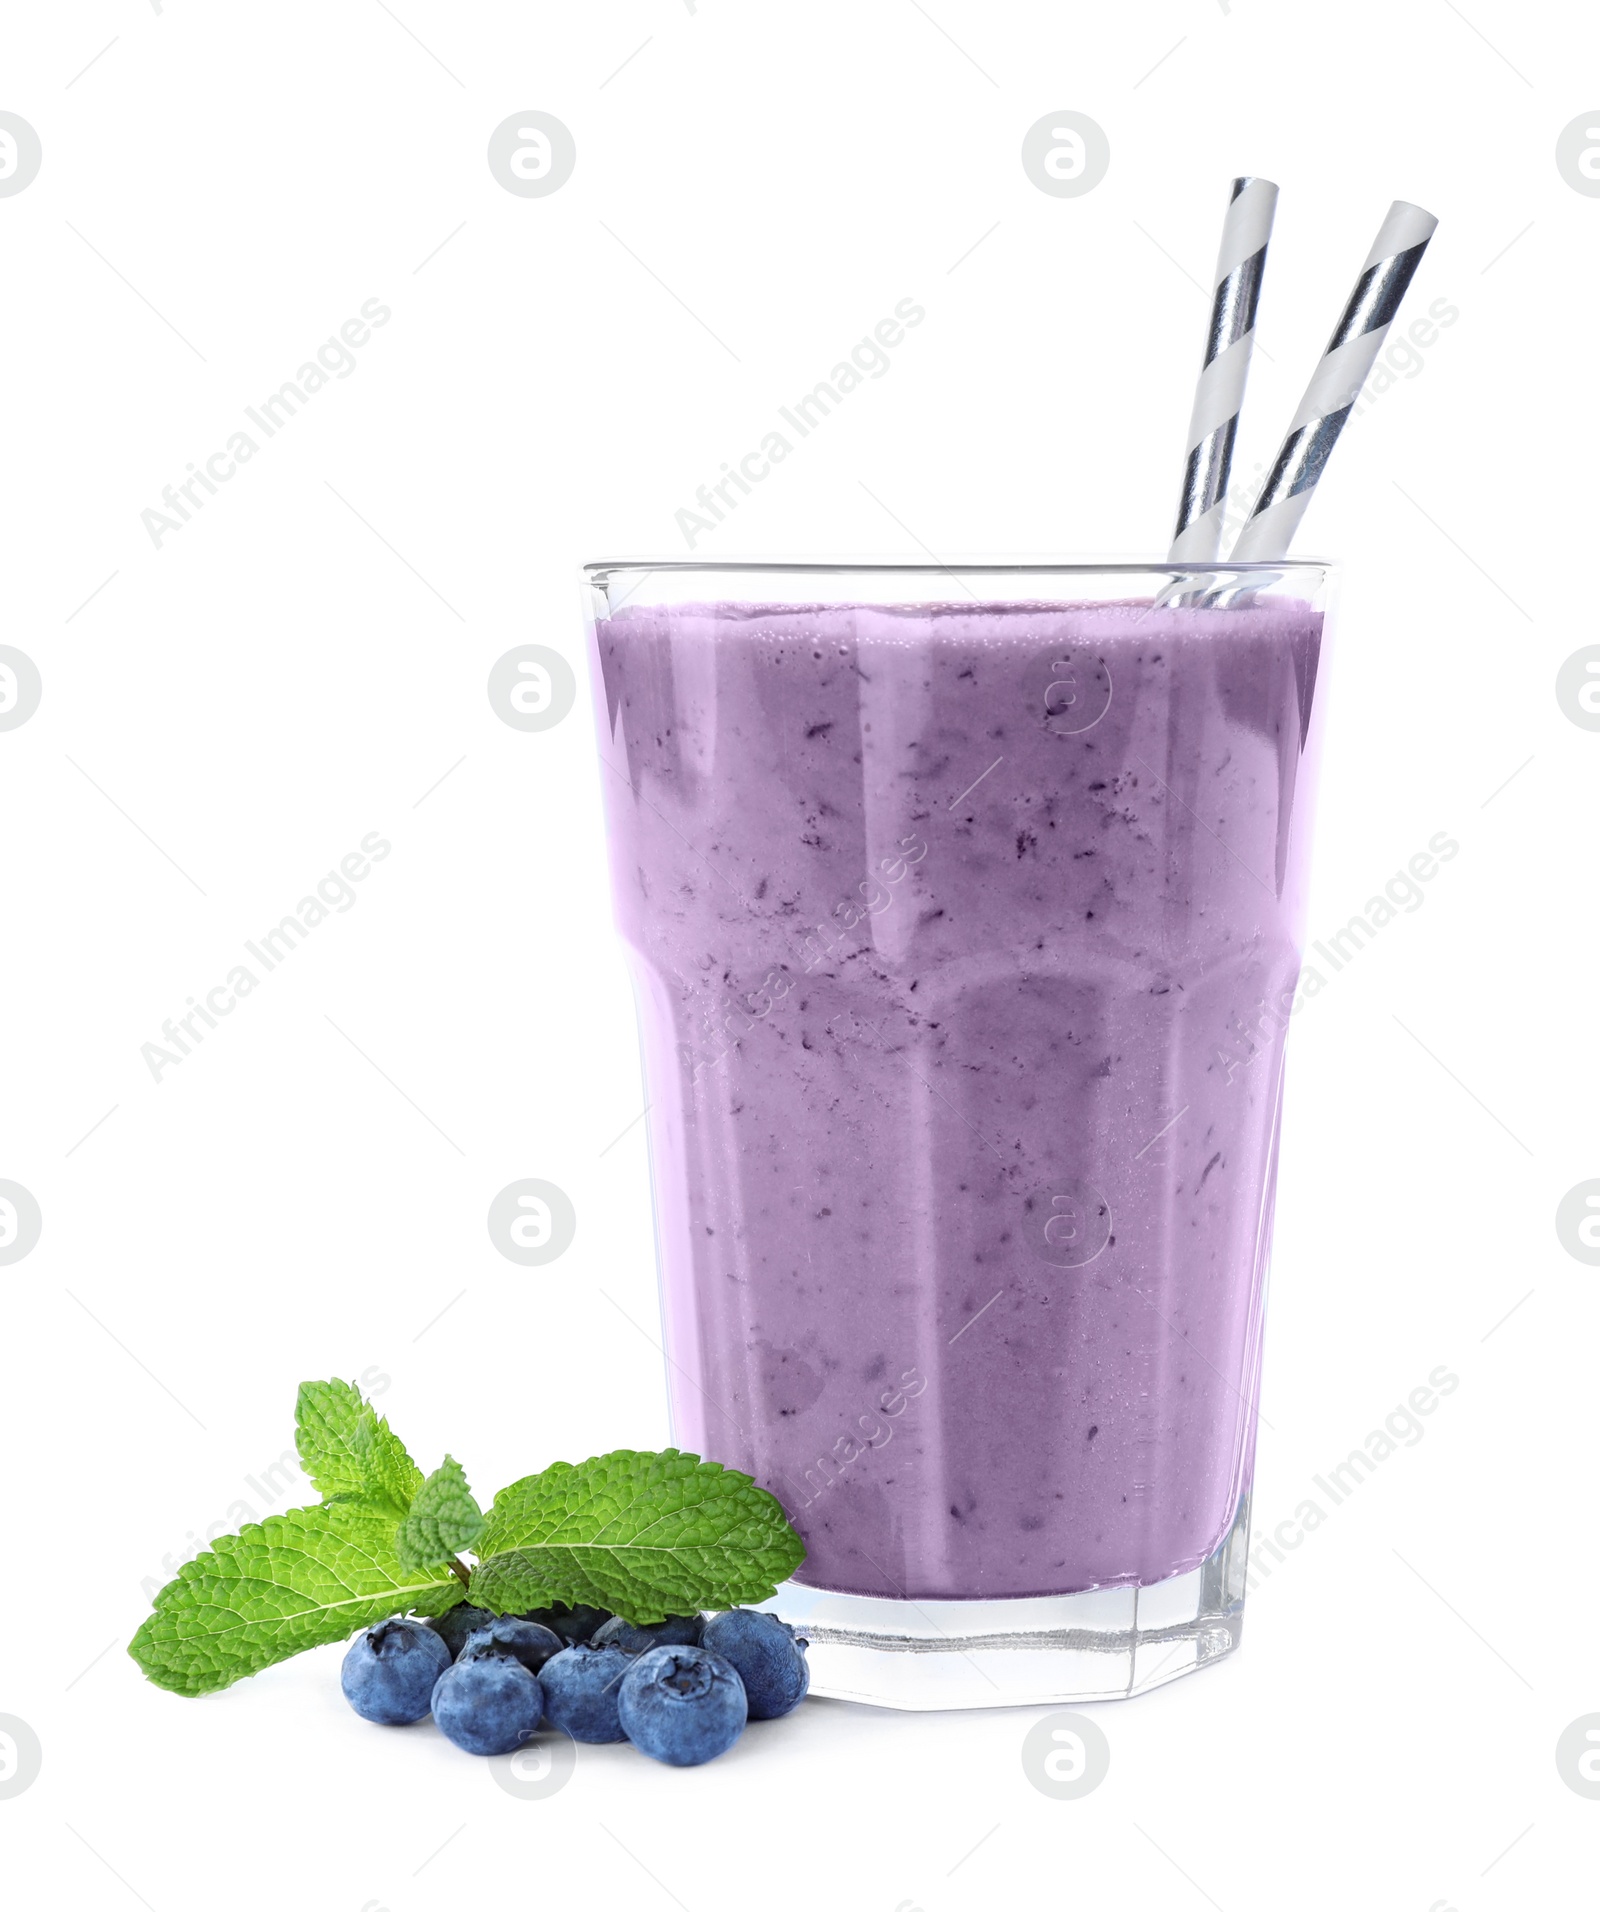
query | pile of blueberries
(681,1690)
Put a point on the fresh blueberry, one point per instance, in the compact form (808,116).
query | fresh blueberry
(389,1672)
(678,1629)
(580,1691)
(454,1626)
(682,1705)
(513,1639)
(572,1623)
(488,1705)
(764,1652)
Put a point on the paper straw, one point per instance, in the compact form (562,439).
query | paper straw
(1336,384)
(1214,423)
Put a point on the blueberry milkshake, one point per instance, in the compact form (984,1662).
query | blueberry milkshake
(964,938)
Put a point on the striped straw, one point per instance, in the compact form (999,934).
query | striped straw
(1214,423)
(1336,384)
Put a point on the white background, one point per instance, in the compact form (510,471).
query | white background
(226,716)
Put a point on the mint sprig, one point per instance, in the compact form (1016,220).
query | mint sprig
(347,1449)
(642,1535)
(444,1519)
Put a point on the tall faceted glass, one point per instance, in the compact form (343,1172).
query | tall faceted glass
(965,911)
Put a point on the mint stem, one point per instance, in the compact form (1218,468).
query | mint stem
(463,1574)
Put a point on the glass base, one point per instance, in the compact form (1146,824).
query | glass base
(1107,1644)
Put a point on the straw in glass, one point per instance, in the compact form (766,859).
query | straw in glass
(1336,384)
(1214,424)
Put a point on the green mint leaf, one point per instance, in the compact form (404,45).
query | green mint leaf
(349,1451)
(643,1535)
(298,1580)
(392,1474)
(325,1417)
(443,1519)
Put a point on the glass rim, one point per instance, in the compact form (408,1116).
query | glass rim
(603,568)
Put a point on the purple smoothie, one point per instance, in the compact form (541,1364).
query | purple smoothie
(963,938)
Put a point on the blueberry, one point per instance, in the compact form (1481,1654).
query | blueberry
(682,1704)
(512,1639)
(678,1629)
(580,1691)
(488,1705)
(389,1671)
(572,1623)
(454,1626)
(763,1651)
